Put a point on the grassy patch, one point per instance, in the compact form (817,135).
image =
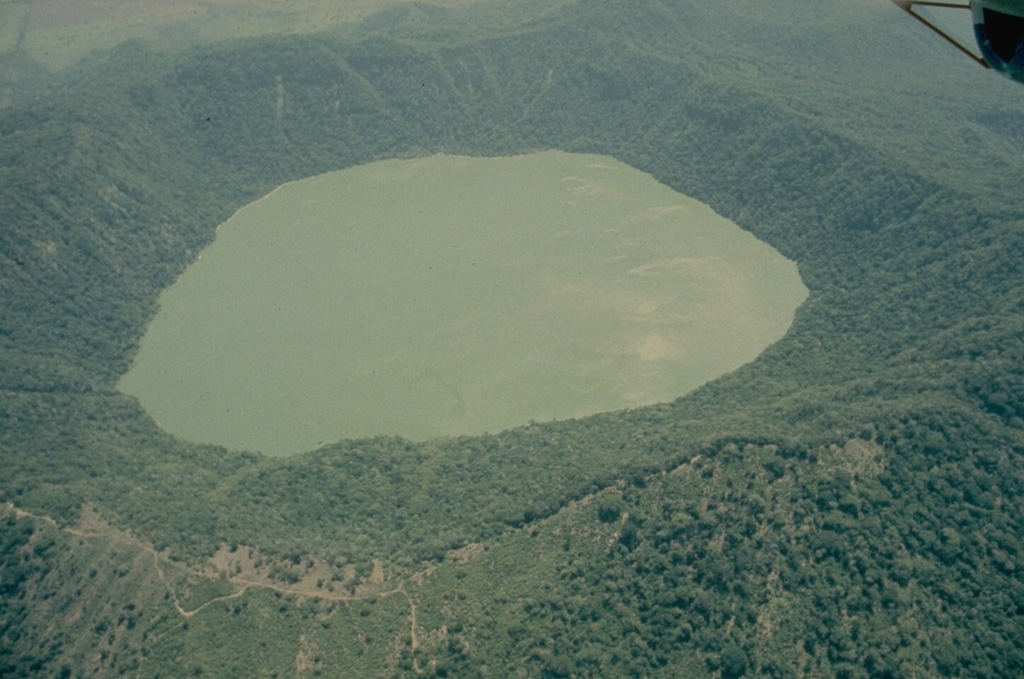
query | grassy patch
(13,18)
(62,32)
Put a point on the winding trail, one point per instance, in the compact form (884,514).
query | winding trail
(242,583)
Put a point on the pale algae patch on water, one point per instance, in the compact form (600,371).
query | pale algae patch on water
(455,295)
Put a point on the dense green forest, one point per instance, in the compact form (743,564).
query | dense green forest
(847,505)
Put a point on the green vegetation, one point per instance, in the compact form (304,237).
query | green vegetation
(846,505)
(13,22)
(62,32)
(452,295)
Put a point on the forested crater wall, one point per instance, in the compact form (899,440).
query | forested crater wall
(122,177)
(910,339)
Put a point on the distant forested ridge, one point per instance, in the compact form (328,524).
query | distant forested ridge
(847,505)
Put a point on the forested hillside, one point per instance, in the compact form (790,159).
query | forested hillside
(846,505)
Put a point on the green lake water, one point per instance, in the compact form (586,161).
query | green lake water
(455,295)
